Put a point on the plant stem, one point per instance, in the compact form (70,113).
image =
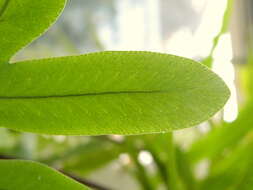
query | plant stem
(85,181)
(166,162)
(161,167)
(141,173)
(225,24)
(173,178)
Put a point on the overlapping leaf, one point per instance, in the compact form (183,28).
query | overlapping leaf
(27,175)
(21,21)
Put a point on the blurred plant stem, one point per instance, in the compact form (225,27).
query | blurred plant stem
(160,166)
(86,182)
(140,172)
(67,42)
(168,168)
(166,165)
(224,28)
(173,178)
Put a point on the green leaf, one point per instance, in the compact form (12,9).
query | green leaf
(108,93)
(21,21)
(28,175)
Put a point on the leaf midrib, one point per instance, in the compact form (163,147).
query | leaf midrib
(86,94)
(4,7)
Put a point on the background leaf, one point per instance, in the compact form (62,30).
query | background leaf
(108,93)
(95,153)
(228,174)
(27,175)
(21,21)
(223,137)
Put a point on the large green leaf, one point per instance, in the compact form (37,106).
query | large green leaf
(27,175)
(21,21)
(108,93)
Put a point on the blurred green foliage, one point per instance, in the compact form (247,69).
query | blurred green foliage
(225,151)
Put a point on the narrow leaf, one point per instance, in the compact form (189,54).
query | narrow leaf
(27,175)
(108,93)
(23,20)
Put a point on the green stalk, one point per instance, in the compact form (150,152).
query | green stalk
(173,178)
(224,28)
(161,167)
(166,165)
(140,173)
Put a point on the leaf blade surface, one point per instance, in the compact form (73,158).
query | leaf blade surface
(108,93)
(21,21)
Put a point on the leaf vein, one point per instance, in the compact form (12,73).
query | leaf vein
(86,94)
